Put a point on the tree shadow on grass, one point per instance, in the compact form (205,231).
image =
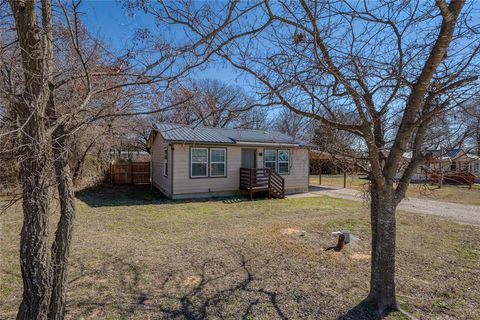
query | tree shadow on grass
(315,188)
(210,296)
(195,304)
(134,195)
(364,311)
(112,196)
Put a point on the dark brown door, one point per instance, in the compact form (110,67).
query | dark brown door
(249,159)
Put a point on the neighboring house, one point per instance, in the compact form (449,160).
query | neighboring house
(193,162)
(465,162)
(447,161)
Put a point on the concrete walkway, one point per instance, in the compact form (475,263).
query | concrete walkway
(459,212)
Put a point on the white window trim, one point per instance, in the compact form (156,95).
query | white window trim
(277,160)
(287,162)
(224,162)
(270,161)
(191,163)
(165,162)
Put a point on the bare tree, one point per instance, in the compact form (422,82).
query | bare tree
(394,65)
(57,79)
(471,118)
(293,124)
(213,103)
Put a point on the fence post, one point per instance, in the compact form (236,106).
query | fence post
(344,179)
(320,173)
(440,183)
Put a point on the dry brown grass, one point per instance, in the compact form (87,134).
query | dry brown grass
(147,259)
(449,193)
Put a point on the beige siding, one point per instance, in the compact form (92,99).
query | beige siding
(296,180)
(183,184)
(157,152)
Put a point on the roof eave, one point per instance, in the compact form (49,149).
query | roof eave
(240,143)
(199,142)
(267,144)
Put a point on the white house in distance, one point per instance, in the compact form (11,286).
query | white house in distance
(449,162)
(196,162)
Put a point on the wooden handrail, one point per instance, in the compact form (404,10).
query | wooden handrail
(262,179)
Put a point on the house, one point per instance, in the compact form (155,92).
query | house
(197,161)
(450,161)
(454,160)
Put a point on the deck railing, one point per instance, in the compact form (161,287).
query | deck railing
(454,177)
(256,180)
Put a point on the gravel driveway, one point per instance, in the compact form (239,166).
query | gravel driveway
(459,212)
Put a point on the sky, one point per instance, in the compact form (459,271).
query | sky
(110,21)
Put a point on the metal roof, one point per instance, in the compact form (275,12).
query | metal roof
(449,153)
(201,134)
(453,153)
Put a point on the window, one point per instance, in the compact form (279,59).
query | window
(453,166)
(199,162)
(208,162)
(277,160)
(283,161)
(217,162)
(165,161)
(270,157)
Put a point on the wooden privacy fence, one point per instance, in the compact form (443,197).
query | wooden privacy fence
(130,173)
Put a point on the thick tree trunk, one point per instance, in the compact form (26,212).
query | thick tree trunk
(382,278)
(34,175)
(63,236)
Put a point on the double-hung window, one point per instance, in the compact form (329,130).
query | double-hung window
(270,157)
(277,160)
(199,162)
(208,162)
(283,161)
(217,162)
(165,161)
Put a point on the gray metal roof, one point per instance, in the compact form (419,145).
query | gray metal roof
(201,134)
(449,153)
(453,153)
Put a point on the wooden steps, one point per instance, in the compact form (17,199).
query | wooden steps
(256,180)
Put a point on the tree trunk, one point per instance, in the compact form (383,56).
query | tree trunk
(63,236)
(34,175)
(80,162)
(382,279)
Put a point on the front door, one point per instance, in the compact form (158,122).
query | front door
(249,159)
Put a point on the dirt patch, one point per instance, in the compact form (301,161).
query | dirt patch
(360,256)
(192,281)
(292,231)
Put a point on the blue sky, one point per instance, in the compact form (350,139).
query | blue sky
(110,21)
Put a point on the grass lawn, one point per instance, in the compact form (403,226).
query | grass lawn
(449,193)
(138,257)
